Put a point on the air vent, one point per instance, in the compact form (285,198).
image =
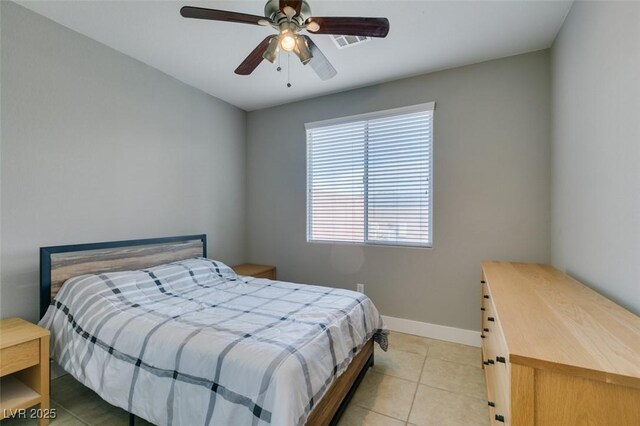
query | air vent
(343,41)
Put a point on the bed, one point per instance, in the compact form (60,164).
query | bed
(158,329)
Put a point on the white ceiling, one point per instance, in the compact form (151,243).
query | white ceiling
(425,36)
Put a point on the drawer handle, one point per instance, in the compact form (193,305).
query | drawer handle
(485,362)
(491,404)
(486,329)
(483,282)
(489,361)
(500,418)
(482,336)
(492,319)
(486,296)
(501,359)
(482,309)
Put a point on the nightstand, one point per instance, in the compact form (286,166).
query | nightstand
(257,271)
(24,370)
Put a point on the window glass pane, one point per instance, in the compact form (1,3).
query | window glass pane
(335,183)
(398,154)
(369,178)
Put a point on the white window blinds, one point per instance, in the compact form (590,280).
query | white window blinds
(369,178)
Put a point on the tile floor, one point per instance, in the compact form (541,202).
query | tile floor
(421,382)
(418,382)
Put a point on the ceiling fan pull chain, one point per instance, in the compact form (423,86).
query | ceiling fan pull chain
(279,67)
(288,69)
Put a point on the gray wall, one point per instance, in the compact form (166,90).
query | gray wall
(97,146)
(596,148)
(491,188)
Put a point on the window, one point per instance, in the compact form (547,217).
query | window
(369,178)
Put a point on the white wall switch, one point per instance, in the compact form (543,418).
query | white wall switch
(360,288)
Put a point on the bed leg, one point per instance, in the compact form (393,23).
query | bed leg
(132,419)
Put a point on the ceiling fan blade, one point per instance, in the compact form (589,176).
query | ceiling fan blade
(369,27)
(294,4)
(254,59)
(319,62)
(222,15)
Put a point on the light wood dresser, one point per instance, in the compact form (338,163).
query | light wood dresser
(555,352)
(256,271)
(24,370)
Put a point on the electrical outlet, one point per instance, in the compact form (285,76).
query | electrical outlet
(360,288)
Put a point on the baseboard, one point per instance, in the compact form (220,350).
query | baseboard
(433,331)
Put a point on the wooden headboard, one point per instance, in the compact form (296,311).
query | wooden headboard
(59,263)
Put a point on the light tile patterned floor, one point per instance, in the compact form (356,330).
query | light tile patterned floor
(419,382)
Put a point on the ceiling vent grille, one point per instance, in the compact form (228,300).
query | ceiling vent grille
(343,41)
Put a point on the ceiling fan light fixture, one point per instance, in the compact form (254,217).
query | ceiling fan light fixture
(302,50)
(313,26)
(271,54)
(287,41)
(289,12)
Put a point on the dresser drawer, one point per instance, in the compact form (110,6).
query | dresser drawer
(491,393)
(19,357)
(493,341)
(502,383)
(499,344)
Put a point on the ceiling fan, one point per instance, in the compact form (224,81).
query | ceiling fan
(289,18)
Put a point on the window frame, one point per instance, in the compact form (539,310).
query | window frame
(423,107)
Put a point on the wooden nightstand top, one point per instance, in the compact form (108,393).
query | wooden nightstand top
(251,269)
(14,331)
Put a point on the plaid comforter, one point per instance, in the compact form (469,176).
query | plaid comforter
(192,343)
